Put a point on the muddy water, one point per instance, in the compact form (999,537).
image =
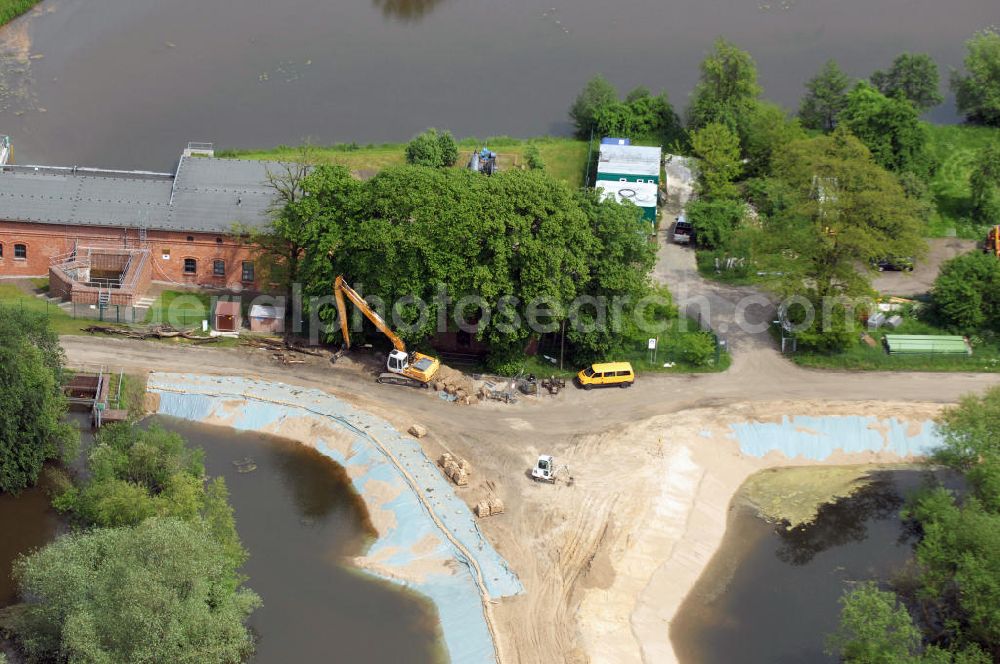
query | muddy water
(27,522)
(125,83)
(300,520)
(770,595)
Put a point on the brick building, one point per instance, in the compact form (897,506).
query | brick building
(103,236)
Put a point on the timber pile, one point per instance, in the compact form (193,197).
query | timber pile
(456,469)
(489,507)
(154,332)
(281,350)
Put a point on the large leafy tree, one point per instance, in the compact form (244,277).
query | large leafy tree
(977,92)
(517,237)
(985,184)
(597,94)
(891,129)
(134,474)
(640,115)
(840,210)
(727,91)
(967,293)
(717,149)
(31,401)
(163,591)
(767,131)
(915,77)
(825,98)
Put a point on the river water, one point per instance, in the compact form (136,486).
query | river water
(126,83)
(301,521)
(770,595)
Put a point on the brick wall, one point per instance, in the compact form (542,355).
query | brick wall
(168,251)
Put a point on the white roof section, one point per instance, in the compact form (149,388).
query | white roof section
(642,194)
(266,311)
(651,169)
(631,153)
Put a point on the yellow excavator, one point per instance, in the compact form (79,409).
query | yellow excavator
(411,369)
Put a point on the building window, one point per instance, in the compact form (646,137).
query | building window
(218,240)
(247,271)
(190,238)
(190,266)
(219,268)
(20,251)
(1,249)
(166,254)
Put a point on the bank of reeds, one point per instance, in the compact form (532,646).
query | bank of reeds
(11,9)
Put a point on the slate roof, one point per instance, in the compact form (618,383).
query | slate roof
(204,195)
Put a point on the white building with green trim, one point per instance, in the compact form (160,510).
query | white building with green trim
(630,172)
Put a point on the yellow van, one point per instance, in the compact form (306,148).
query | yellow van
(606,374)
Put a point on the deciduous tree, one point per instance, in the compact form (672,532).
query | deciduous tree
(977,92)
(840,210)
(162,591)
(825,98)
(32,405)
(966,293)
(985,185)
(717,149)
(727,90)
(597,94)
(915,77)
(890,128)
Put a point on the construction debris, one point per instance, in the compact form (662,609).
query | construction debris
(456,469)
(417,430)
(489,507)
(154,332)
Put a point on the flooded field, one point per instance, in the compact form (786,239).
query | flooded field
(770,594)
(126,83)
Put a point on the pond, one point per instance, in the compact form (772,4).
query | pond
(126,83)
(770,595)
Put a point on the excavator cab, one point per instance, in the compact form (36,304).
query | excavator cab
(397,361)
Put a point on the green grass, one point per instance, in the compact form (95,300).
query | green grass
(62,322)
(11,9)
(985,355)
(180,309)
(955,147)
(565,158)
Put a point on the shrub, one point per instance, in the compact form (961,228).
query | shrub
(534,157)
(965,293)
(432,148)
(715,221)
(694,348)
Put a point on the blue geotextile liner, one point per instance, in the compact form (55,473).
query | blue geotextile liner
(248,405)
(818,437)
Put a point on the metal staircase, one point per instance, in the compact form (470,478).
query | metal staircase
(103,298)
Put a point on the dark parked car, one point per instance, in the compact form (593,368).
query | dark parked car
(894,264)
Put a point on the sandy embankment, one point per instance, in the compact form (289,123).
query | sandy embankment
(648,509)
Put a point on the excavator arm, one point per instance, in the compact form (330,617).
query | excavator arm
(342,290)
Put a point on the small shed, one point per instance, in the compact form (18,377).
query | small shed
(267,319)
(227,317)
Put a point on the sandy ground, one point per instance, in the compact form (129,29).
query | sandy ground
(607,555)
